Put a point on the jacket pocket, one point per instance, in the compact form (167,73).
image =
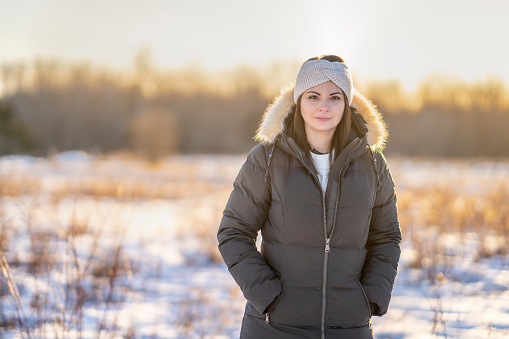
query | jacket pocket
(365,298)
(251,311)
(272,307)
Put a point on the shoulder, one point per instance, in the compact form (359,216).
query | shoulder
(259,154)
(380,160)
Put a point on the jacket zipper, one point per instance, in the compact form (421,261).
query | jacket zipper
(325,261)
(327,247)
(326,256)
(327,239)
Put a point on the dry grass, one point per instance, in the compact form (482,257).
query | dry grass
(21,318)
(446,210)
(90,274)
(202,223)
(12,185)
(436,219)
(201,317)
(98,275)
(4,231)
(129,189)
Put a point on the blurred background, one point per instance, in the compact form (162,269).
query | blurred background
(165,77)
(123,124)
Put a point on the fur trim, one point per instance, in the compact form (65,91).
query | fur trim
(272,124)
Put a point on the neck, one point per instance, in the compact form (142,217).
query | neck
(320,141)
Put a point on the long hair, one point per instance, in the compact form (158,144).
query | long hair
(342,131)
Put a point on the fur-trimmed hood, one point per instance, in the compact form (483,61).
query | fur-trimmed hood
(272,124)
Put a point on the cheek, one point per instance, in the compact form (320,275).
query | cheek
(306,111)
(339,112)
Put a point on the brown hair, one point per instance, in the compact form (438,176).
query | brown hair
(342,131)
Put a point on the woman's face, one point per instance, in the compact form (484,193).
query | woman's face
(322,108)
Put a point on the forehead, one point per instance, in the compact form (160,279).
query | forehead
(326,87)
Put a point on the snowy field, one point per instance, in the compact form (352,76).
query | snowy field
(96,247)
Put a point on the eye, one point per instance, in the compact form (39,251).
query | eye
(336,98)
(313,97)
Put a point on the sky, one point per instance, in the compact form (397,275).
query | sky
(406,40)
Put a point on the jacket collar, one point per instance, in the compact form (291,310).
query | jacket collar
(368,122)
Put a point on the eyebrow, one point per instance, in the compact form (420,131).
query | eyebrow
(320,94)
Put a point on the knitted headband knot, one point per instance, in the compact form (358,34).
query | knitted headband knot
(316,72)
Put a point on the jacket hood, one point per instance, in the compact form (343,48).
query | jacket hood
(273,121)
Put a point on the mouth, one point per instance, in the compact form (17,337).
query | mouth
(322,119)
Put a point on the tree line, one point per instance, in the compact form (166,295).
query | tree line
(48,106)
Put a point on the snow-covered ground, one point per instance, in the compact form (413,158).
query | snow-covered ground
(135,242)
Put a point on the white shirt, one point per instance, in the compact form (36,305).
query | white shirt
(321,162)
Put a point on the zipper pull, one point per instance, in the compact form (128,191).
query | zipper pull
(267,317)
(327,248)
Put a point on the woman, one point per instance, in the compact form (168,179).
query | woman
(320,191)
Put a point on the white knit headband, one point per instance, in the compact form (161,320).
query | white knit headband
(316,72)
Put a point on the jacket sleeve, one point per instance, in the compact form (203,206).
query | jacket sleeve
(383,244)
(244,215)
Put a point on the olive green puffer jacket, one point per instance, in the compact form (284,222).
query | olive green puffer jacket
(325,259)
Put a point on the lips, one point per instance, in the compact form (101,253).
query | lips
(323,119)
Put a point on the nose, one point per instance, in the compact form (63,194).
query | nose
(324,105)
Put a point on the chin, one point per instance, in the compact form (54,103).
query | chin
(330,129)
